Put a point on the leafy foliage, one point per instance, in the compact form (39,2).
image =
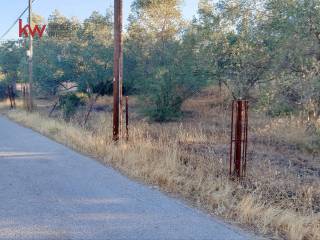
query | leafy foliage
(266,49)
(69,104)
(3,90)
(163,63)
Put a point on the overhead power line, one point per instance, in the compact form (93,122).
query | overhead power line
(14,23)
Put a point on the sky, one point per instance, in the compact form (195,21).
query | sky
(81,9)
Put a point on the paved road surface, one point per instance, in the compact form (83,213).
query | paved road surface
(49,192)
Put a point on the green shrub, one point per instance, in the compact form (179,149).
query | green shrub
(69,105)
(163,106)
(280,109)
(3,90)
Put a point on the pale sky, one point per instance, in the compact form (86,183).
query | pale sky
(81,9)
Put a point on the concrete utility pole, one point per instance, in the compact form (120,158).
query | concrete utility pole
(117,70)
(30,100)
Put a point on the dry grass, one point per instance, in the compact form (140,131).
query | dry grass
(189,159)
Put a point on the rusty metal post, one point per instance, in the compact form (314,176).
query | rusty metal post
(24,96)
(9,96)
(127,118)
(245,147)
(239,139)
(121,73)
(117,71)
(231,138)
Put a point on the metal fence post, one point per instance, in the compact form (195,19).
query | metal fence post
(239,139)
(127,118)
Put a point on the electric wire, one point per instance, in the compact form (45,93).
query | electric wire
(14,23)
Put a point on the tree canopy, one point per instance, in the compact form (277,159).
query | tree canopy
(268,50)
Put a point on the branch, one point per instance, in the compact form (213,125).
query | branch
(67,89)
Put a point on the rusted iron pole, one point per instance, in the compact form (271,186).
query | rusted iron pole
(121,74)
(245,148)
(117,70)
(24,96)
(239,139)
(231,138)
(9,96)
(127,118)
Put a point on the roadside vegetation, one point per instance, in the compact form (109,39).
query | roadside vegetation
(280,196)
(181,77)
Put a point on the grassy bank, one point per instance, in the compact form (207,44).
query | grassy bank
(280,196)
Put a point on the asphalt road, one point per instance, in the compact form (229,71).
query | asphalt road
(48,191)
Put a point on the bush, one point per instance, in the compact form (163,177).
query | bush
(69,105)
(3,90)
(281,109)
(170,82)
(162,104)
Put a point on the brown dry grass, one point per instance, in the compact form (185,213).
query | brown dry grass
(280,196)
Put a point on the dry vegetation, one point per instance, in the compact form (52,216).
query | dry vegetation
(281,194)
